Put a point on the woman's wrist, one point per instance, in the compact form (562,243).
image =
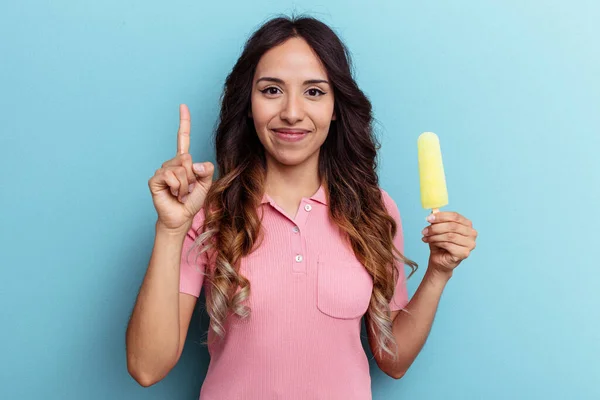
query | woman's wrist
(437,276)
(163,230)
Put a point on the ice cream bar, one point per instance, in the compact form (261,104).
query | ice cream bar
(431,172)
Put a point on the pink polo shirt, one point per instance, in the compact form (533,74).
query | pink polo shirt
(308,295)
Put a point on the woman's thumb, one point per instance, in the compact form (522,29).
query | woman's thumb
(199,168)
(204,174)
(203,170)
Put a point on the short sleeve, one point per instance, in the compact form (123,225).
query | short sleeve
(193,265)
(400,298)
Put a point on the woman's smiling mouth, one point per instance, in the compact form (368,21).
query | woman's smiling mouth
(290,135)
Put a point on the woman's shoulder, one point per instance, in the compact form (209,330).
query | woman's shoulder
(387,198)
(197,223)
(389,203)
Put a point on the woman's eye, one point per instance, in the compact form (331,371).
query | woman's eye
(270,90)
(315,92)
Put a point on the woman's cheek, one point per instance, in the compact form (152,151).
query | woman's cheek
(263,111)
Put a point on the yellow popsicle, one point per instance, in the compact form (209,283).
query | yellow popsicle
(434,193)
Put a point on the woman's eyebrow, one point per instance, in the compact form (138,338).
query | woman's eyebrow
(281,82)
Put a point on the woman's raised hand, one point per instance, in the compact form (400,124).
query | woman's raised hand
(179,187)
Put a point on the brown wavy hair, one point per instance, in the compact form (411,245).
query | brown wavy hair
(347,167)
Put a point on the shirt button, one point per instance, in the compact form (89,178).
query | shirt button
(295,229)
(299,258)
(308,207)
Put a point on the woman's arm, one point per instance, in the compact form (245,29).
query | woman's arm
(411,330)
(161,316)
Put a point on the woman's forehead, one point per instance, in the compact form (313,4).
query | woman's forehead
(293,61)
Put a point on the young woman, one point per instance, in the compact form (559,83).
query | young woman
(294,242)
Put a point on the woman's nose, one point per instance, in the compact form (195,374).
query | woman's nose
(292,110)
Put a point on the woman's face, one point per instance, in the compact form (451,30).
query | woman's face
(292,103)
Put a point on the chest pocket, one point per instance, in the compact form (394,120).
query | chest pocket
(344,287)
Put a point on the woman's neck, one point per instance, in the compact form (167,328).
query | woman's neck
(291,183)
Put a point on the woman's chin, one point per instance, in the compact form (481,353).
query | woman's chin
(289,159)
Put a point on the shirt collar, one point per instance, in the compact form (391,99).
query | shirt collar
(319,196)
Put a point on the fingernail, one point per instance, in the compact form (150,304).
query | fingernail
(184,198)
(431,218)
(424,231)
(199,167)
(191,187)
(175,193)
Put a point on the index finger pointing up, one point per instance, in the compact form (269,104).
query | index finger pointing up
(183,135)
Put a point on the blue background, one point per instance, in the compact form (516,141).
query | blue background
(89,95)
